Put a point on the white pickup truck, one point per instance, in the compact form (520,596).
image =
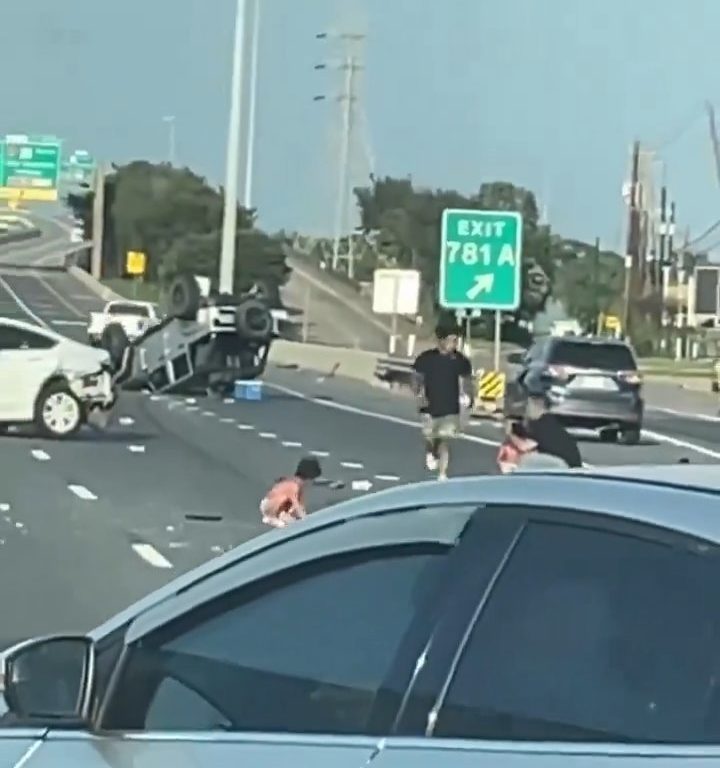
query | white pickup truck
(135,317)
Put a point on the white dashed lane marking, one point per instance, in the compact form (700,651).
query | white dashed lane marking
(151,556)
(193,407)
(40,455)
(136,448)
(246,427)
(267,435)
(228,420)
(126,421)
(351,464)
(320,454)
(82,492)
(388,478)
(291,444)
(4,507)
(208,413)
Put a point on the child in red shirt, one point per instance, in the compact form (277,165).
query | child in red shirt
(515,445)
(285,501)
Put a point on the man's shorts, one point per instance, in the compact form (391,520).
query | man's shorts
(440,427)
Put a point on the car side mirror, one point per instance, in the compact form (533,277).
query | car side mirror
(516,358)
(49,678)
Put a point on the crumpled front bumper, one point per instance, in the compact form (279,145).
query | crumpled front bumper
(96,391)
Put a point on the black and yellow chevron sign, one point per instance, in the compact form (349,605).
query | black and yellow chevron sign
(491,385)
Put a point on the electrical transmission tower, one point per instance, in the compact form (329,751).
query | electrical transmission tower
(350,65)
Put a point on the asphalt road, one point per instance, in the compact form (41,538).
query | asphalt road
(88,525)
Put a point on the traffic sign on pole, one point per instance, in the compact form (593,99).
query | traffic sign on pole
(481,259)
(29,168)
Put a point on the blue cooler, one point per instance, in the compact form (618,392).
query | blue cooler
(247,390)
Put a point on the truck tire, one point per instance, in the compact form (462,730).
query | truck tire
(184,297)
(114,341)
(253,320)
(58,413)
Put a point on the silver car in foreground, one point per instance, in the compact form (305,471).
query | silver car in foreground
(555,619)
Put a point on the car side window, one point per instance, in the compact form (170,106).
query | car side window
(18,338)
(307,651)
(594,635)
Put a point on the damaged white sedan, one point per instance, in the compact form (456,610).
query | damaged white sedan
(51,381)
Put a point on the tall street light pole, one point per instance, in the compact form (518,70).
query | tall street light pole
(170,121)
(250,151)
(232,161)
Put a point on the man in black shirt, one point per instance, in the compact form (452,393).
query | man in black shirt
(440,373)
(545,429)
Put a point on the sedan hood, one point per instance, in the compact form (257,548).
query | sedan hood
(81,357)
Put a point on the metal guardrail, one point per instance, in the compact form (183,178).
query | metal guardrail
(394,370)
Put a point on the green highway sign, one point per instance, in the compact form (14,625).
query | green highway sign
(480,261)
(29,168)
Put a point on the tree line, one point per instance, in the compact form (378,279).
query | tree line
(175,217)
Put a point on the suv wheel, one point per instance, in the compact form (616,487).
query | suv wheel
(630,436)
(609,435)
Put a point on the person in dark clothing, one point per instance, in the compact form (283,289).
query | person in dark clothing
(442,375)
(549,434)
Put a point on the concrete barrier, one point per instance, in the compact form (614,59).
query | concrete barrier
(353,363)
(92,284)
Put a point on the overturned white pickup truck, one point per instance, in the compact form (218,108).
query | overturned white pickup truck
(205,341)
(135,317)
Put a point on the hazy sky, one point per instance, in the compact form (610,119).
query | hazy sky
(545,93)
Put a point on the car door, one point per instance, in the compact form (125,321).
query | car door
(299,655)
(598,644)
(25,363)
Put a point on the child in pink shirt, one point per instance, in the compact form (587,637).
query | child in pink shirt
(285,501)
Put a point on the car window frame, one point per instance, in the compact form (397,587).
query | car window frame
(404,659)
(525,515)
(48,341)
(345,537)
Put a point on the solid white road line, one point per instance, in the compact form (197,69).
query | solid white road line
(23,306)
(40,455)
(685,414)
(150,555)
(661,438)
(677,443)
(82,492)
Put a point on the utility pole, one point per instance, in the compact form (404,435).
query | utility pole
(252,106)
(232,160)
(350,66)
(98,223)
(633,236)
(170,121)
(596,286)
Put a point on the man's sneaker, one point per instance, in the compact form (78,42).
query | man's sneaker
(431,462)
(442,477)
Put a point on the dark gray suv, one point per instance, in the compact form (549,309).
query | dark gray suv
(591,383)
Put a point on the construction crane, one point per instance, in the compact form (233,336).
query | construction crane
(714,139)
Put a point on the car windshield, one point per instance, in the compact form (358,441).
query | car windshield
(129,309)
(606,357)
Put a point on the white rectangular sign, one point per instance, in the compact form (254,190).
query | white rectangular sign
(396,291)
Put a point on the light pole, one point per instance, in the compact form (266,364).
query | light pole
(170,121)
(232,160)
(250,151)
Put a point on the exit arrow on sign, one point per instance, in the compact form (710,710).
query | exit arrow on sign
(482,284)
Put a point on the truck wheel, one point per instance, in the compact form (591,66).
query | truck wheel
(184,297)
(253,320)
(58,413)
(114,341)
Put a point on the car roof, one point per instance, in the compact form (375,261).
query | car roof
(589,340)
(24,325)
(682,497)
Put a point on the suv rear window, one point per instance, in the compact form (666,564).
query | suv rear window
(128,309)
(606,357)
